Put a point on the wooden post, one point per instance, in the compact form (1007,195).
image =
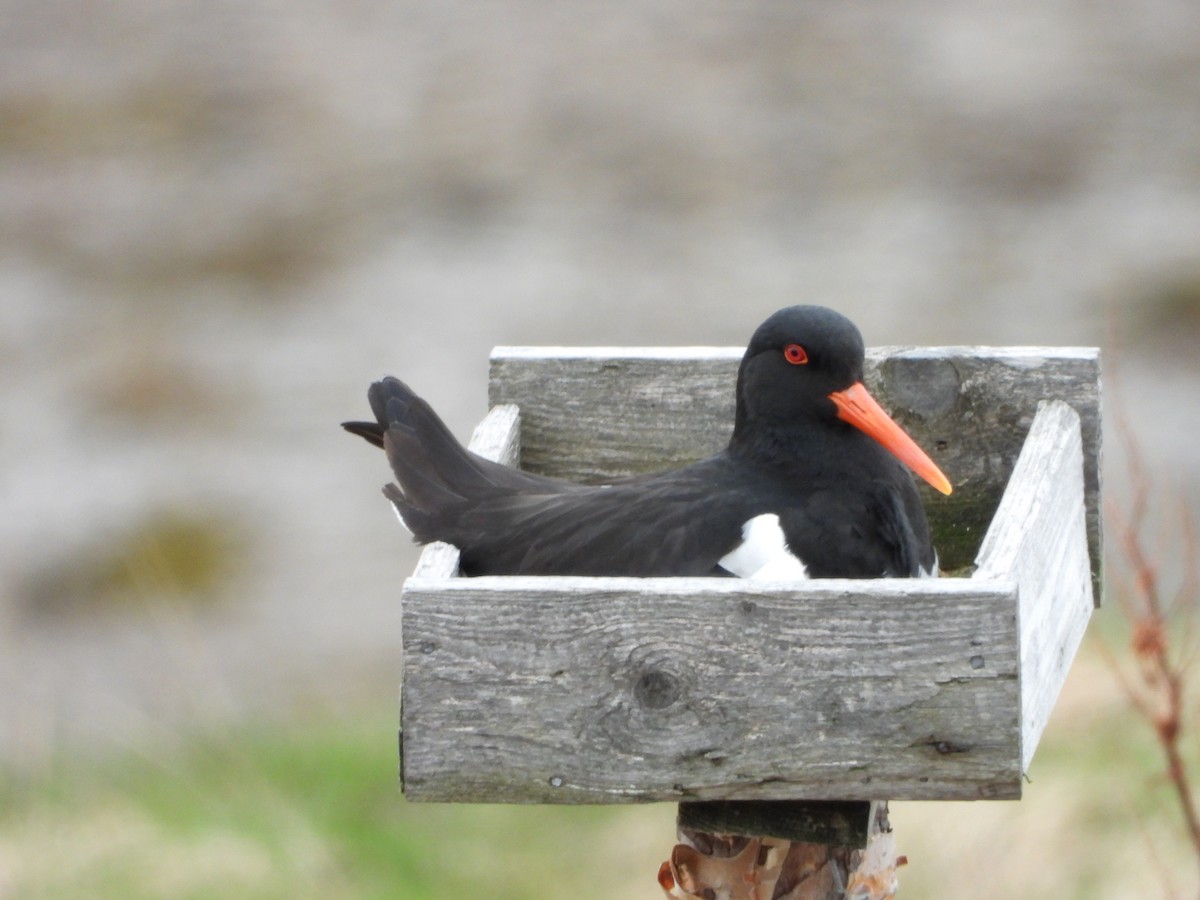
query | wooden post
(845,864)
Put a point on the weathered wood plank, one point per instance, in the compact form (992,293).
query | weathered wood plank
(974,406)
(497,437)
(437,560)
(597,413)
(591,414)
(842,823)
(1038,540)
(577,690)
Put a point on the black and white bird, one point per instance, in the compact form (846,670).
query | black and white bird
(813,482)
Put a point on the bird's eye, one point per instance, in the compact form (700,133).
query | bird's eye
(795,354)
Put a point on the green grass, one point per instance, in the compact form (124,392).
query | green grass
(298,811)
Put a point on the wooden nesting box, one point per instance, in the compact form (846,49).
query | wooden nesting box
(599,690)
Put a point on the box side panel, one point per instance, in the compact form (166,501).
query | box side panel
(594,417)
(1038,540)
(576,690)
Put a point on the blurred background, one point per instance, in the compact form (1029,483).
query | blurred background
(220,221)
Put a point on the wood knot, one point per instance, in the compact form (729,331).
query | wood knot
(664,704)
(656,689)
(927,387)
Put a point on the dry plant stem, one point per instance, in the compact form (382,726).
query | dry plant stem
(1161,697)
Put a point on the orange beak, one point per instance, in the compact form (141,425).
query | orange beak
(859,408)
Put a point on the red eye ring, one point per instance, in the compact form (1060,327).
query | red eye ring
(795,354)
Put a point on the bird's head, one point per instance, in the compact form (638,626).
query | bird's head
(804,367)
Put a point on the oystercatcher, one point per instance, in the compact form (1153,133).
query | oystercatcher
(812,483)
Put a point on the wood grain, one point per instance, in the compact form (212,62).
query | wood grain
(1038,539)
(580,690)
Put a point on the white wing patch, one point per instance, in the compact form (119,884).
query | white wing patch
(763,553)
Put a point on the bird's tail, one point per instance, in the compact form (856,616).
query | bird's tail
(436,476)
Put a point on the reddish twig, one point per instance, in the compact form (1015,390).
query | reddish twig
(1159,695)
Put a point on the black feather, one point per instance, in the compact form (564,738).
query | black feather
(847,507)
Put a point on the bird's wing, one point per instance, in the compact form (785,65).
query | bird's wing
(672,525)
(860,534)
(905,530)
